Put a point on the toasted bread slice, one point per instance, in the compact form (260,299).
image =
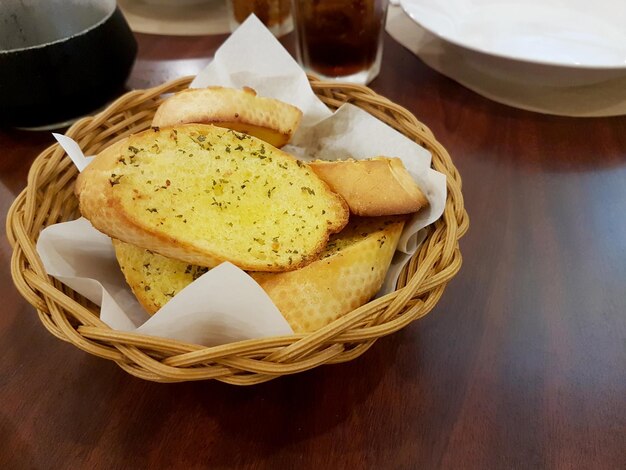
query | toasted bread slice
(350,271)
(374,187)
(154,279)
(203,194)
(270,120)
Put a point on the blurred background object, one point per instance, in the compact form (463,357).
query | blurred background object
(60,60)
(176,17)
(275,14)
(341,39)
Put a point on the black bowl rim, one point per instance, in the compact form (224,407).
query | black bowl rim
(114,7)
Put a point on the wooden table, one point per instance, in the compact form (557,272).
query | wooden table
(521,365)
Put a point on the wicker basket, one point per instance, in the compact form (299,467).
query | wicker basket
(49,199)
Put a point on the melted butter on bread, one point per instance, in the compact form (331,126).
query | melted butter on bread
(204,195)
(349,271)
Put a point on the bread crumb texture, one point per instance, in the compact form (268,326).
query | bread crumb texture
(348,274)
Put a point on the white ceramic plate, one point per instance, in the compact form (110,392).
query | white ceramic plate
(543,42)
(174,2)
(173,18)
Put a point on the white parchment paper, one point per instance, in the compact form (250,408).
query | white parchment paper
(226,304)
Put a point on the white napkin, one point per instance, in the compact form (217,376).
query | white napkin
(225,304)
(601,99)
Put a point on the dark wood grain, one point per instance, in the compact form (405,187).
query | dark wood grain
(521,365)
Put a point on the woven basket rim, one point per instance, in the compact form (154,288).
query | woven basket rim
(67,316)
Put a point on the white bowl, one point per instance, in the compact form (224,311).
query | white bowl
(542,42)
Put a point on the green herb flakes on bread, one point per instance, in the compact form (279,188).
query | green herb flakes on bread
(241,110)
(203,195)
(348,273)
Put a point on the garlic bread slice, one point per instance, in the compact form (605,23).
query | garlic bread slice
(203,194)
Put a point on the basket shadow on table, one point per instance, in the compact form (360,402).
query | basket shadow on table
(251,422)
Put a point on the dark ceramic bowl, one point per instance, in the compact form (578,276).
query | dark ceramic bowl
(60,59)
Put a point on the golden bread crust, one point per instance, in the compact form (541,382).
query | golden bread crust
(375,187)
(341,280)
(242,110)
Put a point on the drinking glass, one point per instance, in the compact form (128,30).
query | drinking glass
(274,14)
(340,39)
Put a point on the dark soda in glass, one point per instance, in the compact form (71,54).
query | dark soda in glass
(340,38)
(274,14)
